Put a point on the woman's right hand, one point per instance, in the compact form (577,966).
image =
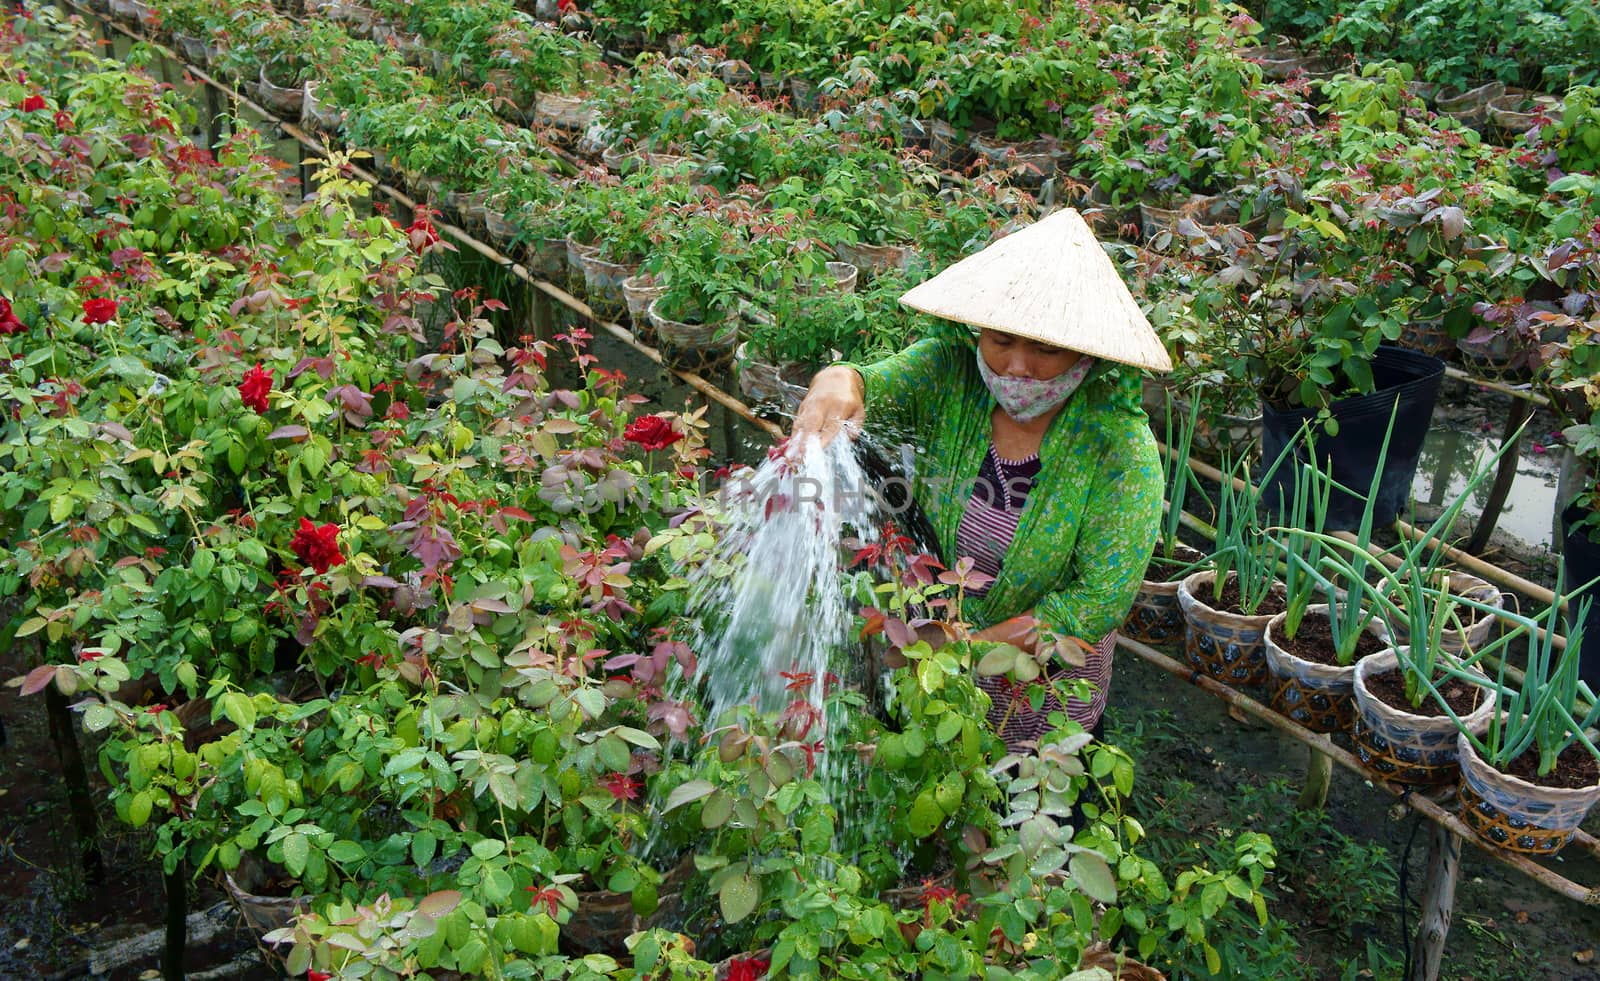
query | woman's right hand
(835,400)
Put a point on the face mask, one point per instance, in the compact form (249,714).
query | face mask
(1026,399)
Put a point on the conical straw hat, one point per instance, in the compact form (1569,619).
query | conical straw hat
(1048,282)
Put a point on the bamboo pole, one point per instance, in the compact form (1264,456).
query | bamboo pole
(1587,895)
(1451,371)
(1438,903)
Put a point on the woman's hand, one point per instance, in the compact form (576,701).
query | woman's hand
(835,400)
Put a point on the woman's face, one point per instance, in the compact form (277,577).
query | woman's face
(1018,357)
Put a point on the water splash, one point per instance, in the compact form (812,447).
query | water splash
(771,604)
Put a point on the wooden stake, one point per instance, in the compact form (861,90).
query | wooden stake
(85,819)
(1438,903)
(1504,476)
(1319,774)
(177,924)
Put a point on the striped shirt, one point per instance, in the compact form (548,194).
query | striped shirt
(987,527)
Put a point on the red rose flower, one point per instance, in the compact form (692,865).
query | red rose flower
(33,103)
(422,234)
(9,324)
(253,390)
(317,546)
(63,119)
(318,975)
(99,310)
(748,968)
(651,432)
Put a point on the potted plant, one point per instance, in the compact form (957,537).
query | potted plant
(1227,607)
(700,267)
(1313,675)
(1156,616)
(1528,781)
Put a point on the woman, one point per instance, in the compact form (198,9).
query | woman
(1035,458)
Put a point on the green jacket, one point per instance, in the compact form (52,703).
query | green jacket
(1089,526)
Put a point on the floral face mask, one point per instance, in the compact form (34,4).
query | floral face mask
(1026,399)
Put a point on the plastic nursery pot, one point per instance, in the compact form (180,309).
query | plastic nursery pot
(1514,814)
(1406,385)
(1401,747)
(604,919)
(1156,617)
(1582,560)
(1319,696)
(1227,646)
(1478,624)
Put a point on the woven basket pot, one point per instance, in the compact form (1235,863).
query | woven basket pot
(1427,336)
(1321,697)
(1156,618)
(567,112)
(1514,113)
(469,206)
(875,259)
(1476,631)
(283,100)
(1404,748)
(602,285)
(193,48)
(501,231)
(1227,646)
(1516,815)
(637,292)
(841,278)
(950,152)
(764,381)
(1029,164)
(315,114)
(1471,108)
(574,270)
(693,346)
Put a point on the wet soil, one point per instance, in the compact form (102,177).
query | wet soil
(1314,642)
(1575,769)
(1390,688)
(1272,605)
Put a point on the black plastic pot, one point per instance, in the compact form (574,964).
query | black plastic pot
(1582,559)
(1407,385)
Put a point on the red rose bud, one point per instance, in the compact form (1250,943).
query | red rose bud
(33,103)
(253,390)
(317,546)
(99,310)
(651,433)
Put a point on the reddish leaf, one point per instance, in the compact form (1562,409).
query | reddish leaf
(38,678)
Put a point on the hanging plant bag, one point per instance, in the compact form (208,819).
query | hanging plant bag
(1407,385)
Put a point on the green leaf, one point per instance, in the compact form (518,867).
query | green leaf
(239,709)
(139,809)
(423,845)
(687,793)
(497,885)
(738,897)
(1093,876)
(345,852)
(718,808)
(296,850)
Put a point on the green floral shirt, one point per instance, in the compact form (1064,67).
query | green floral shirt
(1089,525)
